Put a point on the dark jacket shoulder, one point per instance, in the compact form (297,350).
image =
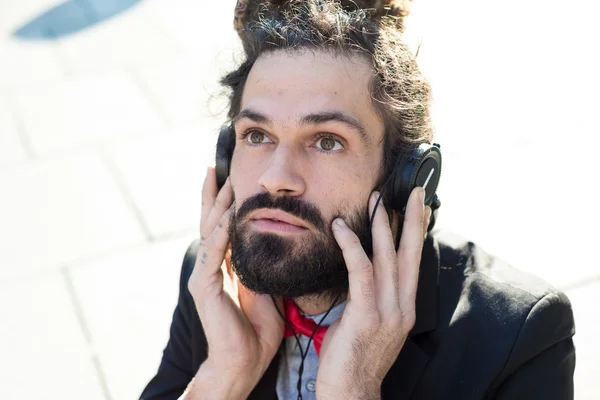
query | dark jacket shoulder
(502,327)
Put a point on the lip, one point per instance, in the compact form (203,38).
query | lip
(285,222)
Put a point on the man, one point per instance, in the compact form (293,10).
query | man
(321,108)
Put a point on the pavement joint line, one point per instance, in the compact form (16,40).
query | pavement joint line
(72,293)
(125,193)
(91,147)
(150,96)
(19,125)
(68,151)
(84,261)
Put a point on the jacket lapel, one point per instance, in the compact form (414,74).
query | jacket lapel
(402,378)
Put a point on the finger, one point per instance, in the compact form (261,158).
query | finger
(207,275)
(385,271)
(209,193)
(230,280)
(220,205)
(426,221)
(409,252)
(360,269)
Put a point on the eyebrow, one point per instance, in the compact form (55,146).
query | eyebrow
(311,119)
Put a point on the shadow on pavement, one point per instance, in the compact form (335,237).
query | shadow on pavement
(71,17)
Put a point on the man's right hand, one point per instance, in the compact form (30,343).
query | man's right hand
(243,330)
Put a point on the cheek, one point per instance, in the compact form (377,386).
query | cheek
(341,191)
(243,179)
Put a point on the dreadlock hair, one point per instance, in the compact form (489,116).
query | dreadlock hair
(400,94)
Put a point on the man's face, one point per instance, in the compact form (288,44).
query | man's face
(308,150)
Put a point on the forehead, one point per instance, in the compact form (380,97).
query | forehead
(286,85)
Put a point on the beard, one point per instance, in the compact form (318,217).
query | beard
(311,265)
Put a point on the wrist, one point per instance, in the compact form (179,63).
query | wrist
(211,382)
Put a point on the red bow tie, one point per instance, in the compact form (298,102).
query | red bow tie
(302,325)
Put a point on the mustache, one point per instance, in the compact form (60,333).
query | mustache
(298,208)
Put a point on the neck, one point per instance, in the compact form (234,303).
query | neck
(311,305)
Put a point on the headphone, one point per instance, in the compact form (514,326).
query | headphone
(419,166)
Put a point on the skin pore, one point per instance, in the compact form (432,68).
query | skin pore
(307,129)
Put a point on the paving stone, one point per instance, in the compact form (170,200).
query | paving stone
(123,41)
(44,352)
(128,301)
(57,210)
(187,88)
(84,111)
(11,149)
(24,63)
(165,179)
(585,302)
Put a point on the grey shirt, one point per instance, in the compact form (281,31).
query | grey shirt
(290,358)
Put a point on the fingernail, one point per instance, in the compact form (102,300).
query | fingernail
(422,195)
(340,222)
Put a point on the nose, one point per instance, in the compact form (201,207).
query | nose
(283,176)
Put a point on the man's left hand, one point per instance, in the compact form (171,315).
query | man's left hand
(360,348)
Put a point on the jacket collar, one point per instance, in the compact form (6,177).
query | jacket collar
(426,305)
(404,374)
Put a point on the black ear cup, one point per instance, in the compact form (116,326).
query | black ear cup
(225,146)
(421,167)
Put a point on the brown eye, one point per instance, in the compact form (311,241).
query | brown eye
(329,144)
(257,137)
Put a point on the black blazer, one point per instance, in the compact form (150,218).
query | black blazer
(483,331)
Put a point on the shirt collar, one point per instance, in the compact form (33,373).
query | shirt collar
(334,314)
